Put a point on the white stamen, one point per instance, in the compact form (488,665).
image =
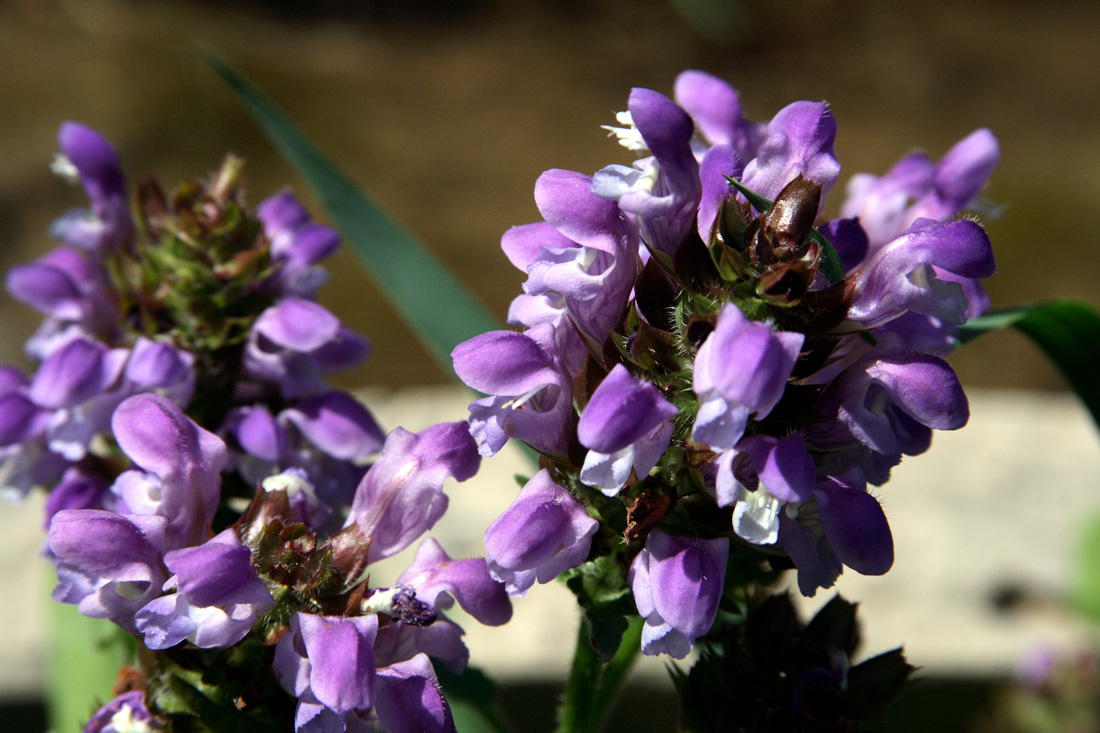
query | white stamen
(64,168)
(381,601)
(123,722)
(628,134)
(756,517)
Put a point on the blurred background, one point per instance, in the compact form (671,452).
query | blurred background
(447,111)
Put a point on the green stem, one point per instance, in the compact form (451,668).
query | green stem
(593,688)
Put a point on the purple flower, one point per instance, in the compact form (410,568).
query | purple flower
(89,158)
(217,600)
(627,424)
(585,250)
(716,109)
(127,713)
(531,395)
(410,700)
(541,535)
(742,368)
(889,401)
(70,288)
(322,437)
(918,188)
(663,190)
(108,564)
(296,341)
(79,383)
(157,366)
(78,489)
(800,142)
(297,244)
(902,276)
(441,640)
(762,474)
(855,524)
(844,525)
(337,424)
(327,663)
(677,584)
(439,580)
(180,467)
(718,165)
(401,496)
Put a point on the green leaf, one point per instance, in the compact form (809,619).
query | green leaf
(1067,330)
(593,687)
(830,260)
(428,296)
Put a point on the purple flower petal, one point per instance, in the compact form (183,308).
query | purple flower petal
(855,526)
(434,573)
(338,424)
(621,411)
(541,535)
(401,496)
(800,141)
(410,699)
(677,583)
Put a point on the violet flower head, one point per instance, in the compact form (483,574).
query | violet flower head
(541,535)
(327,663)
(180,467)
(127,713)
(410,700)
(401,496)
(530,393)
(663,190)
(218,596)
(87,157)
(677,584)
(626,425)
(109,565)
(763,474)
(741,369)
(439,580)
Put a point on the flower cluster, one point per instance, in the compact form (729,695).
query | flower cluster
(706,363)
(208,491)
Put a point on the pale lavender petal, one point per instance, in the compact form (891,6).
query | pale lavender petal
(401,496)
(410,699)
(621,411)
(542,534)
(338,424)
(800,142)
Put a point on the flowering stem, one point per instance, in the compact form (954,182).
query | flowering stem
(593,688)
